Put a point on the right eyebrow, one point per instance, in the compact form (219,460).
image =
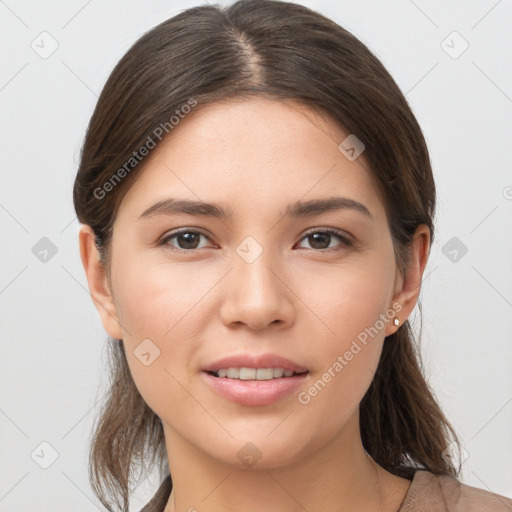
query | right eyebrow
(173,206)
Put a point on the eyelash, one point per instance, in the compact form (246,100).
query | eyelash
(329,231)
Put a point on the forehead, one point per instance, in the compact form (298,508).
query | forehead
(253,152)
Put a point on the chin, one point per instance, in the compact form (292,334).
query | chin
(262,453)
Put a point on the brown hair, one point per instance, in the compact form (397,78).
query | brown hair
(277,50)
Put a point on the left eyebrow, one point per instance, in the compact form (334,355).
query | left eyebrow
(318,206)
(173,206)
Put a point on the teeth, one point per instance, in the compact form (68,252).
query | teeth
(254,373)
(247,373)
(264,374)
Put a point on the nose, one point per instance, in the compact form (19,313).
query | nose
(257,295)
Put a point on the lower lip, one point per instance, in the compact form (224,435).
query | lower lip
(255,392)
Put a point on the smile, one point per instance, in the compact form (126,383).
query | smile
(254,373)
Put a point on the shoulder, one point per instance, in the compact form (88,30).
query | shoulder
(444,493)
(466,497)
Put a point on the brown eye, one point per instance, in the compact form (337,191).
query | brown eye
(186,240)
(321,240)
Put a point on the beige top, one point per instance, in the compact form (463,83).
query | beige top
(427,493)
(431,493)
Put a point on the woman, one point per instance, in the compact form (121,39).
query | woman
(257,205)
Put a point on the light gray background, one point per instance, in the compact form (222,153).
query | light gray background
(52,342)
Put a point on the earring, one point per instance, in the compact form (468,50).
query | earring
(396,321)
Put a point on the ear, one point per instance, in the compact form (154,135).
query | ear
(98,283)
(407,287)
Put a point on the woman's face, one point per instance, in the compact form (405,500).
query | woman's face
(258,282)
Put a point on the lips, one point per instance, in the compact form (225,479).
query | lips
(255,392)
(254,361)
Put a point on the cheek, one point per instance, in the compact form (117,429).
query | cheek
(162,311)
(352,304)
(349,299)
(158,298)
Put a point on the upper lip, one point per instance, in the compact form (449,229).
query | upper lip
(254,361)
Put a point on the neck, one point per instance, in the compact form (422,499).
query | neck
(340,477)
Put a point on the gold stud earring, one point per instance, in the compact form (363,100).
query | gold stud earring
(396,321)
